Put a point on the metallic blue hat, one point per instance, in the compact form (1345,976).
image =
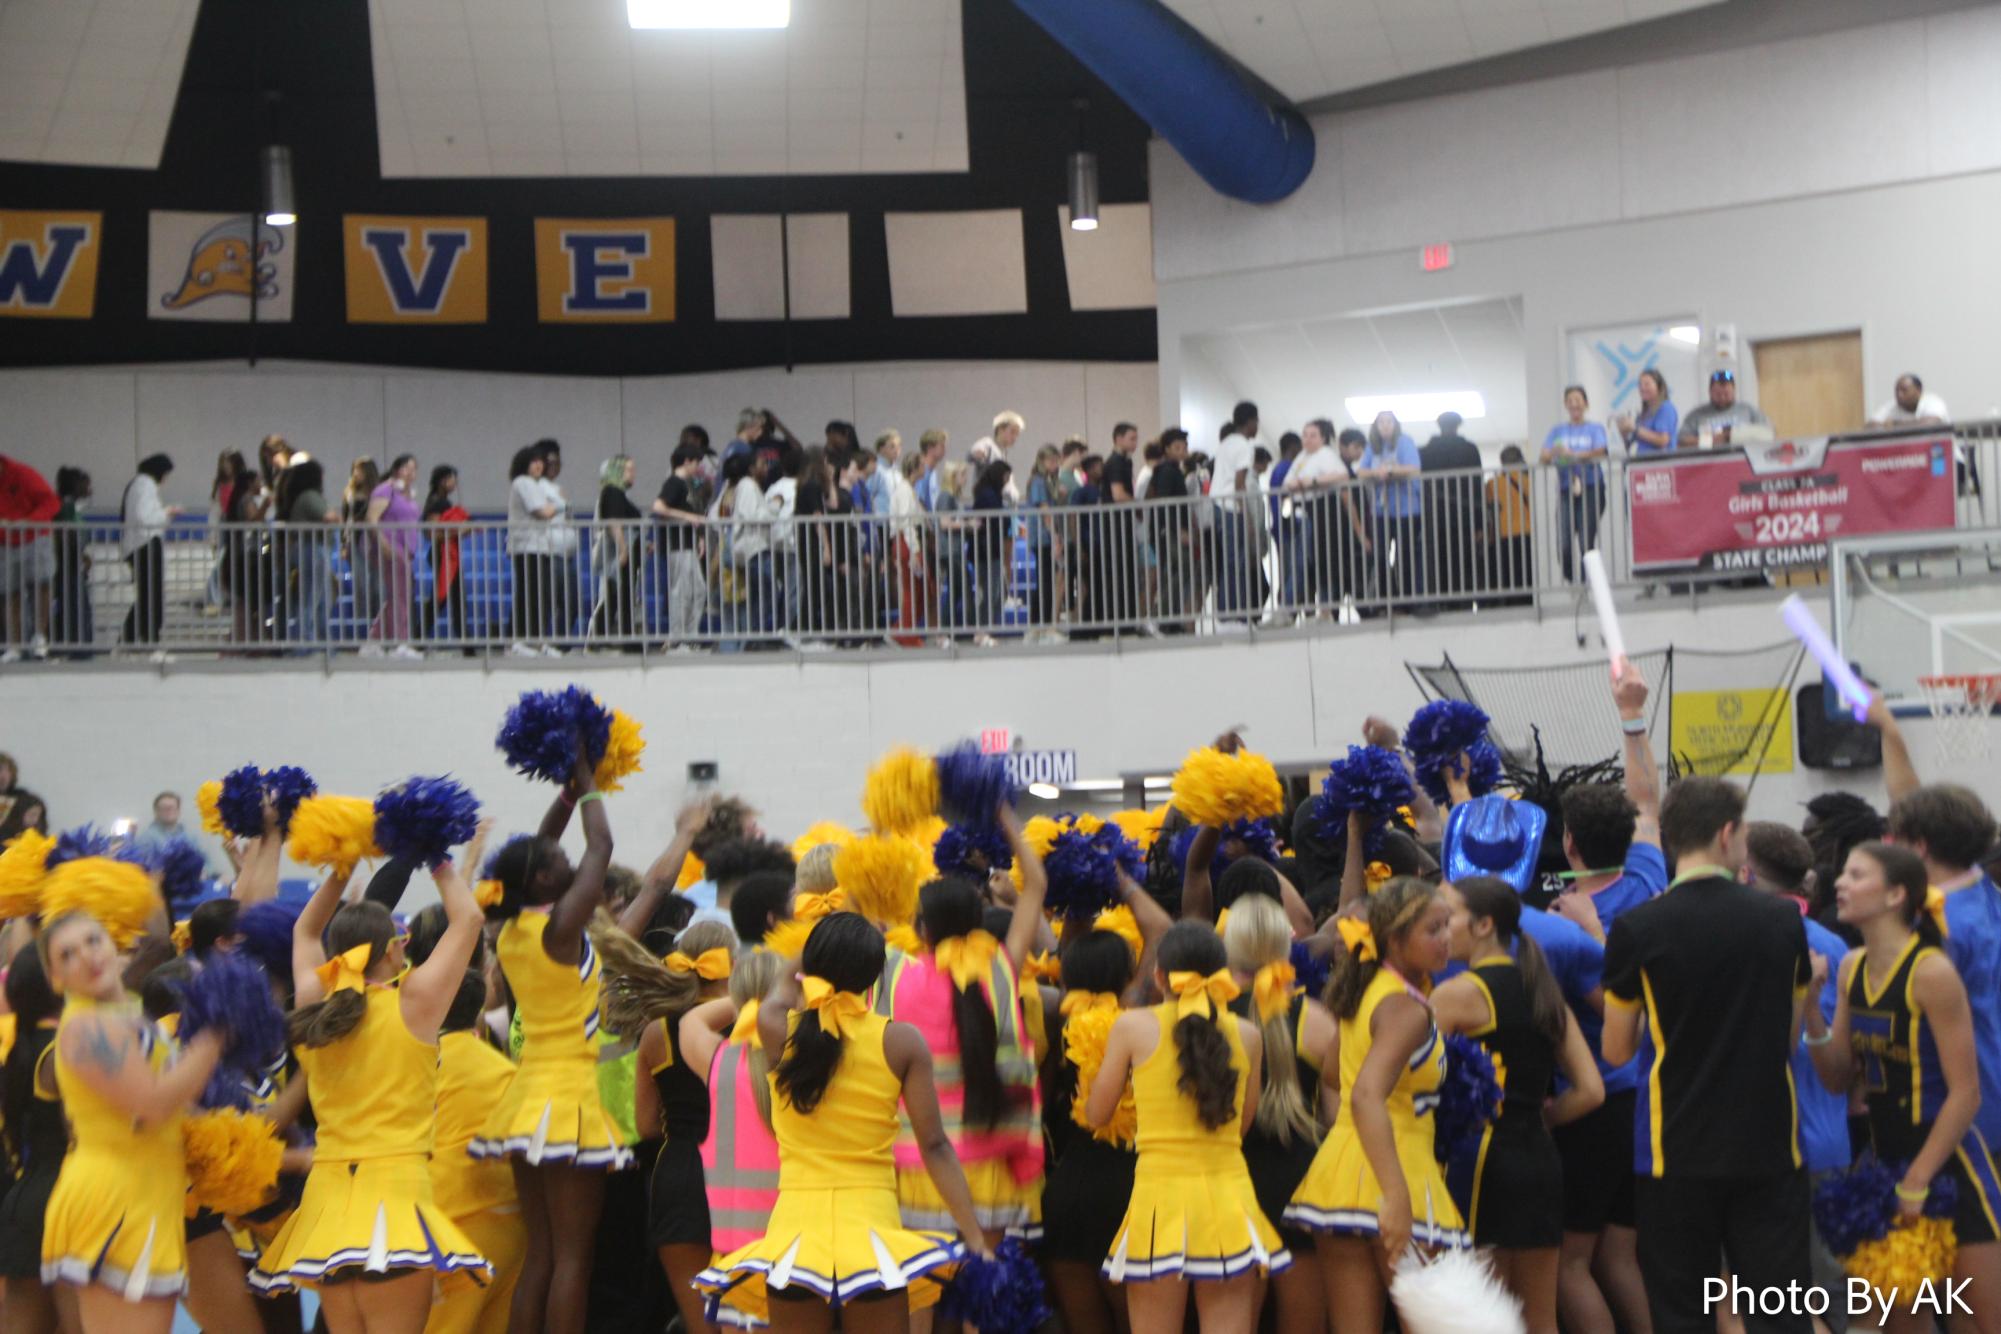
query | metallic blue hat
(1494,835)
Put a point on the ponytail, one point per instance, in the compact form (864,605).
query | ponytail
(847,951)
(328,1021)
(1208,1077)
(513,867)
(755,973)
(1392,910)
(638,989)
(1258,936)
(947,909)
(1496,900)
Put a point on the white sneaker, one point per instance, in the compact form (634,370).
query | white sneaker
(551,651)
(371,650)
(38,648)
(406,653)
(11,655)
(519,650)
(160,657)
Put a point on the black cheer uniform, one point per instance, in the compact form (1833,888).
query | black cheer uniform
(679,1214)
(1510,1187)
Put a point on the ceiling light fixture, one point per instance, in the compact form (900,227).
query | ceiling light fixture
(1045,791)
(1686,333)
(1468,403)
(280,208)
(708,13)
(1083,192)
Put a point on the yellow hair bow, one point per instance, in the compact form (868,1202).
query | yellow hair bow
(835,1008)
(1078,1002)
(967,958)
(710,965)
(487,893)
(1202,995)
(1222,921)
(1355,934)
(1935,905)
(184,937)
(346,971)
(1120,922)
(1272,989)
(1376,875)
(812,907)
(745,1028)
(904,938)
(1044,967)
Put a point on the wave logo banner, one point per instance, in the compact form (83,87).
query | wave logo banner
(604,270)
(48,264)
(404,270)
(210,266)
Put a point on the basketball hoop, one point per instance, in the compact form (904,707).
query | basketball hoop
(1960,706)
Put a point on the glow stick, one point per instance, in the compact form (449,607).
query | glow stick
(1608,615)
(1800,620)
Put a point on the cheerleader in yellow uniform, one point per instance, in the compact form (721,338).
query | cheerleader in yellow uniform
(114,1225)
(1195,1070)
(551,1124)
(368,1233)
(1374,1186)
(836,1238)
(478,1195)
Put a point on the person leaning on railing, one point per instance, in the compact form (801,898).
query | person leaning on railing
(74,625)
(143,521)
(1577,448)
(682,538)
(448,589)
(304,508)
(393,513)
(27,559)
(614,552)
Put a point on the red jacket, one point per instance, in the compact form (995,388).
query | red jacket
(24,494)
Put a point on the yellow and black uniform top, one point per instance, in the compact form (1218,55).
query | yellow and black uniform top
(1715,967)
(1524,1059)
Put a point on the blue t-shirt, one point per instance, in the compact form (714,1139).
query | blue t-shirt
(1578,438)
(1644,877)
(1973,943)
(1823,1115)
(1664,418)
(1399,499)
(1576,959)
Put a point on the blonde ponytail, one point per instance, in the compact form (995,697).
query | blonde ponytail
(1258,936)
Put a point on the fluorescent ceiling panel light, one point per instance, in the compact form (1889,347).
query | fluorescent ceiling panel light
(1098,785)
(708,13)
(1045,791)
(1686,333)
(1468,403)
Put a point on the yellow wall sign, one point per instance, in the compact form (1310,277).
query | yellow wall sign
(604,270)
(415,270)
(1733,731)
(48,264)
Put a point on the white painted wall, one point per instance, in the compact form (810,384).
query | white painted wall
(796,736)
(105,420)
(1832,182)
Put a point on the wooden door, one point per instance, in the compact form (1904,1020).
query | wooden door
(1811,386)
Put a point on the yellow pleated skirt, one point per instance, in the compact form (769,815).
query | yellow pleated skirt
(1340,1195)
(376,1217)
(1196,1222)
(551,1114)
(836,1245)
(1001,1203)
(118,1223)
(500,1236)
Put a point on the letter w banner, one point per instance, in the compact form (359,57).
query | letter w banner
(1779,504)
(604,270)
(48,264)
(415,270)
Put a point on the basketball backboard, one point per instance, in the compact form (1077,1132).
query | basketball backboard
(1917,604)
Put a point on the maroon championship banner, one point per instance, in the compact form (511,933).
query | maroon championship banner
(1778,504)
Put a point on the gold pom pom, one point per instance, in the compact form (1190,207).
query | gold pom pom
(621,753)
(233,1160)
(901,792)
(208,800)
(22,868)
(881,877)
(820,834)
(904,938)
(692,873)
(333,831)
(1897,1263)
(184,937)
(1086,1029)
(788,939)
(1142,827)
(119,895)
(1217,789)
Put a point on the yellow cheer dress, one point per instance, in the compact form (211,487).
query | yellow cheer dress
(367,1204)
(115,1216)
(551,1112)
(1194,1212)
(1340,1194)
(477,1194)
(836,1230)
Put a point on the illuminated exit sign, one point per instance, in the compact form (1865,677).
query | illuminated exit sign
(996,741)
(1434,258)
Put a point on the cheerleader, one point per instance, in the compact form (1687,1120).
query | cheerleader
(1374,1186)
(1193,1216)
(1281,1142)
(1509,1000)
(476,1194)
(963,994)
(113,1227)
(1901,1016)
(836,1240)
(368,1233)
(552,1124)
(37,1138)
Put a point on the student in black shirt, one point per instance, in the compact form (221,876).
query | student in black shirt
(1121,559)
(1706,984)
(681,538)
(615,552)
(1088,563)
(1172,524)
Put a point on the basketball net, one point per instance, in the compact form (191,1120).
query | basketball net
(1961,707)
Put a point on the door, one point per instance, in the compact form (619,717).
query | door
(1811,386)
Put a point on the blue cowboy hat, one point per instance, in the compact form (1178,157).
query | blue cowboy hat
(1495,836)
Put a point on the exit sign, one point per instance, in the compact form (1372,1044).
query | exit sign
(1433,258)
(995,741)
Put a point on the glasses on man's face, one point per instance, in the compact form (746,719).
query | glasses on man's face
(1723,377)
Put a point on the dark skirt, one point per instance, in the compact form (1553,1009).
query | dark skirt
(1084,1199)
(1276,1171)
(1511,1190)
(21,1221)
(679,1212)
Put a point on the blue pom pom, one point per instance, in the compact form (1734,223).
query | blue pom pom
(1855,1206)
(1370,780)
(234,996)
(266,929)
(1943,1201)
(423,819)
(1257,836)
(287,786)
(1309,971)
(1083,871)
(182,869)
(955,849)
(83,841)
(540,733)
(971,785)
(241,804)
(998,1296)
(1437,734)
(1469,1097)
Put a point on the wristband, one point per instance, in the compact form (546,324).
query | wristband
(589,796)
(1821,1041)
(1633,726)
(1917,1196)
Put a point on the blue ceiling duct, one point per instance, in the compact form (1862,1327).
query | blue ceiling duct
(1244,140)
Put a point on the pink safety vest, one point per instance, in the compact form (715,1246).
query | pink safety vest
(740,1157)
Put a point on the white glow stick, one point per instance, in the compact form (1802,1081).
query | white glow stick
(1608,615)
(1800,620)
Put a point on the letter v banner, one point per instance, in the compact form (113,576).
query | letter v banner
(405,270)
(48,264)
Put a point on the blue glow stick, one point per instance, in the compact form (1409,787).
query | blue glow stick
(1800,620)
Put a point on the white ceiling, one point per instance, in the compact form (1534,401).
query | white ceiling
(90,82)
(1311,48)
(567,88)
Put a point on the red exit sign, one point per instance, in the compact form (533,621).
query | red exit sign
(996,741)
(1433,258)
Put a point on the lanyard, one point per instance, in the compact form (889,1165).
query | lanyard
(1702,872)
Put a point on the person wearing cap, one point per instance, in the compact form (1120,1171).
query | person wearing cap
(1717,418)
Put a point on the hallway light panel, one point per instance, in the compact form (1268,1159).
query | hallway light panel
(708,13)
(1686,333)
(1468,403)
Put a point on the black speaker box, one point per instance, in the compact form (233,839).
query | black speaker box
(1832,742)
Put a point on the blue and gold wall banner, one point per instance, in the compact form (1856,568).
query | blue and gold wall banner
(604,270)
(48,264)
(206,266)
(415,270)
